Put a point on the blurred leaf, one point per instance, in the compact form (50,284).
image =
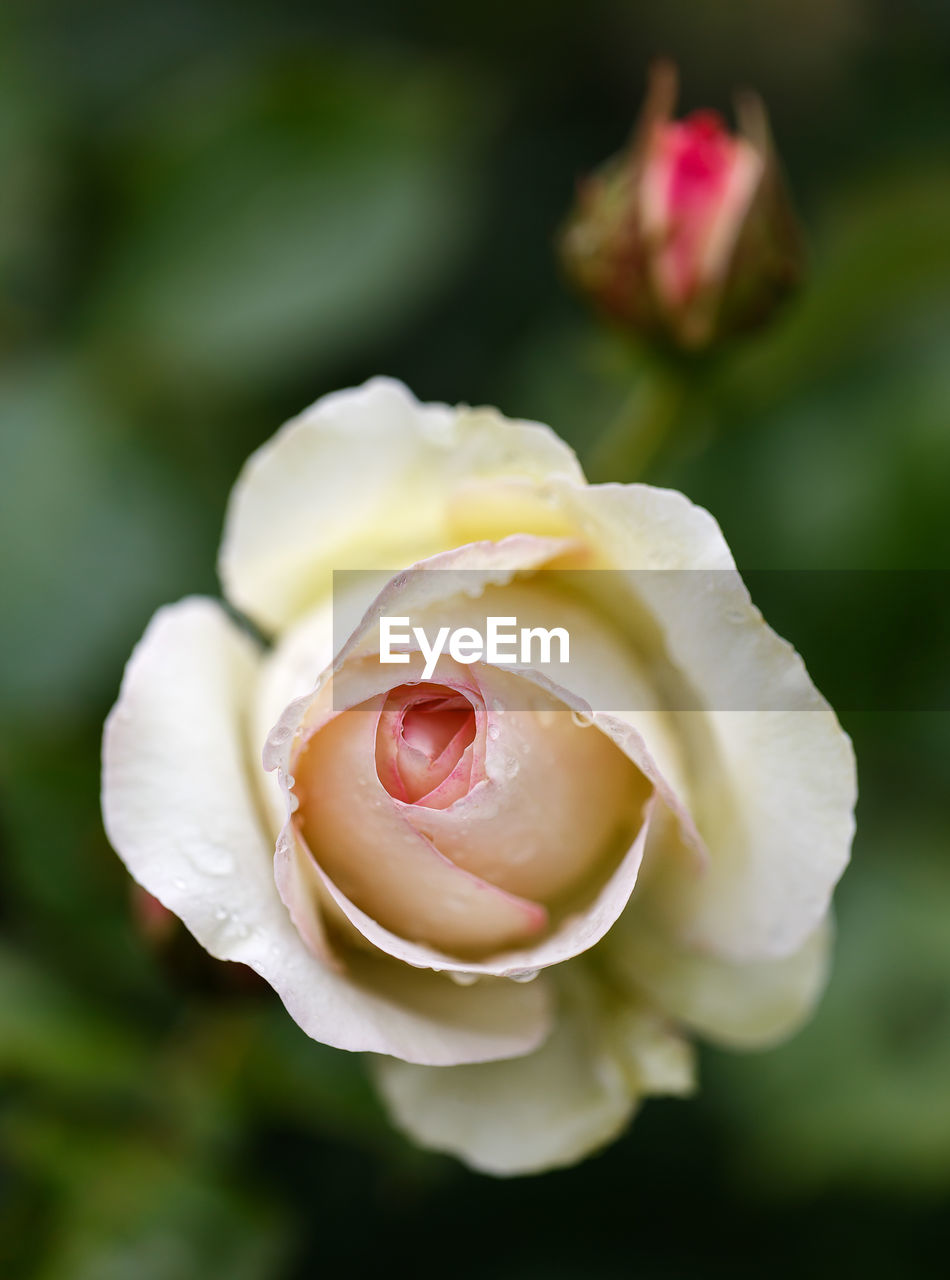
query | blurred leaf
(291,1078)
(882,257)
(49,1033)
(137,1212)
(93,532)
(850,471)
(860,1096)
(571,376)
(31,259)
(278,216)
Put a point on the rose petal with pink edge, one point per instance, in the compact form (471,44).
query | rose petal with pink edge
(180,809)
(575,934)
(559,804)
(397,876)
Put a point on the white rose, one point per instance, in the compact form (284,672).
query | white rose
(523,909)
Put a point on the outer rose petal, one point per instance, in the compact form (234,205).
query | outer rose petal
(776,802)
(295,513)
(292,667)
(180,809)
(741,1006)
(553,1107)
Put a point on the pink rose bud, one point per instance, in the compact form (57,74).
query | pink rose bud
(687,235)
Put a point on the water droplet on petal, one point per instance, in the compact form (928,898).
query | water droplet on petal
(462,978)
(494,732)
(525,975)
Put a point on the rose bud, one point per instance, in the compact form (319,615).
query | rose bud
(688,235)
(523,891)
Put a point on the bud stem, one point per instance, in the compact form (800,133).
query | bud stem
(648,419)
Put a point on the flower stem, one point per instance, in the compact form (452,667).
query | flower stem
(646,423)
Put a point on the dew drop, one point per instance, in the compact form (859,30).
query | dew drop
(462,978)
(525,975)
(494,732)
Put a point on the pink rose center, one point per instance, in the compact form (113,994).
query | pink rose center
(423,735)
(702,153)
(695,160)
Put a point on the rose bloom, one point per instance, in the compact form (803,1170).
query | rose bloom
(523,898)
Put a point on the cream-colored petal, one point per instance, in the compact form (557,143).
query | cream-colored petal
(771,773)
(376,895)
(358,835)
(369,478)
(553,1107)
(741,1006)
(560,803)
(466,587)
(287,672)
(605,670)
(299,657)
(576,933)
(180,808)
(396,894)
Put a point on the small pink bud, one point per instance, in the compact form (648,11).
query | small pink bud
(688,234)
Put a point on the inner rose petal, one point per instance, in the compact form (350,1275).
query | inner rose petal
(423,735)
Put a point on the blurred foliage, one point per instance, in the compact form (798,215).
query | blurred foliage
(214,211)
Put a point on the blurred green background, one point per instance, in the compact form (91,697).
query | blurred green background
(212,211)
